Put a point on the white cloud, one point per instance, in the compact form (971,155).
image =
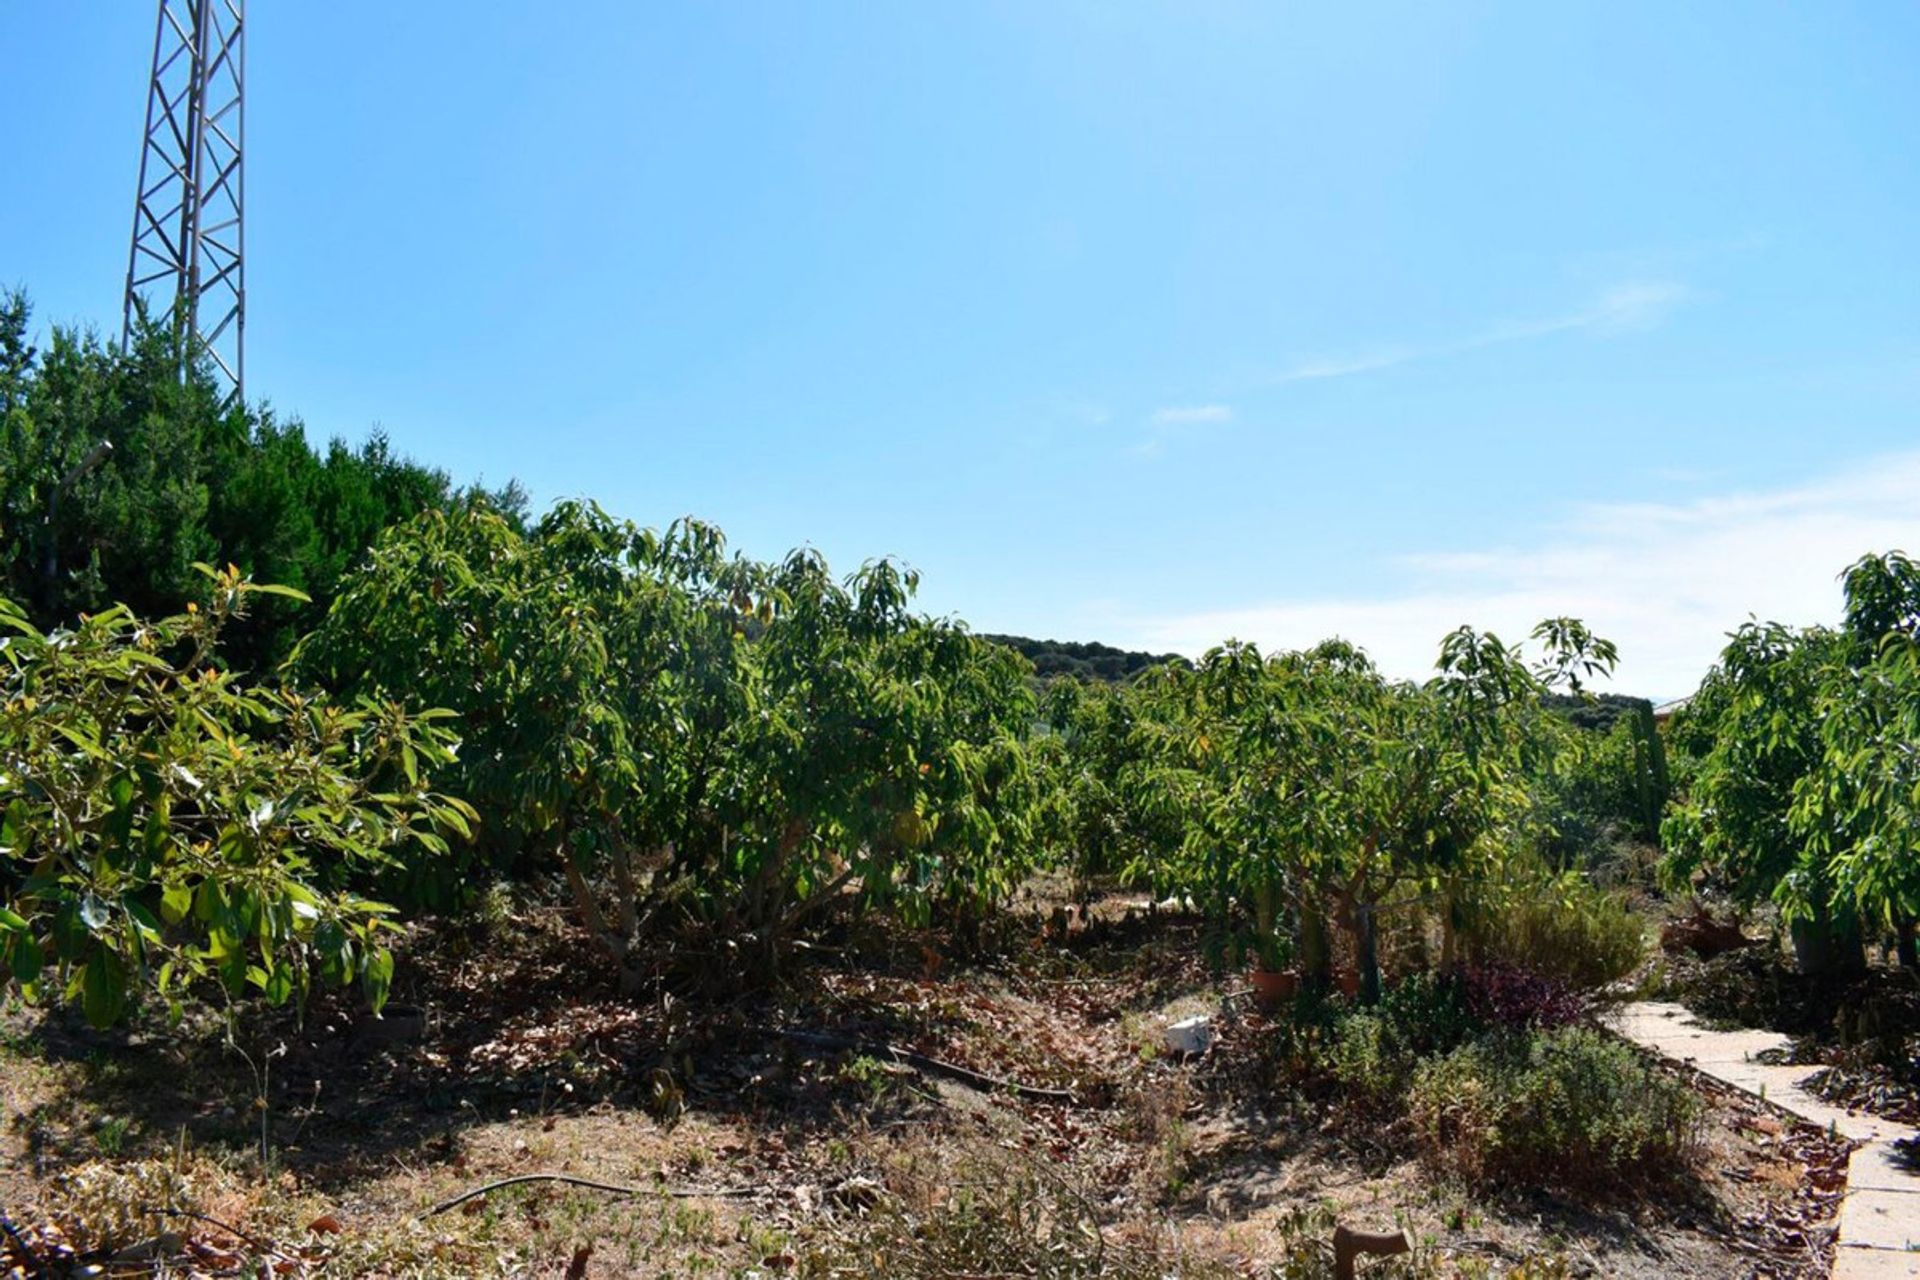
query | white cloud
(1630,306)
(1186,415)
(1635,305)
(1163,423)
(1085,412)
(1666,581)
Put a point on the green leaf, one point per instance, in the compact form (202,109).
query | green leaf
(143,920)
(13,827)
(175,902)
(10,921)
(27,959)
(378,978)
(276,589)
(103,990)
(80,740)
(233,971)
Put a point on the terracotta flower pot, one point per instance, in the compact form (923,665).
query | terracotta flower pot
(1348,980)
(1271,990)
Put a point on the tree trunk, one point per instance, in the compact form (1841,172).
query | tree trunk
(1904,944)
(1828,944)
(616,944)
(1812,945)
(1369,939)
(1266,912)
(1316,956)
(1850,945)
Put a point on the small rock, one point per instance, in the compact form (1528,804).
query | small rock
(1191,1035)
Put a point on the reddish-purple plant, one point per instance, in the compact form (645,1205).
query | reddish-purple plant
(1504,995)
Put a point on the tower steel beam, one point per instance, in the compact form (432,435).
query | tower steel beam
(187,261)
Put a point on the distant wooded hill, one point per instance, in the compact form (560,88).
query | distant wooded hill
(1089,661)
(1600,713)
(1094,661)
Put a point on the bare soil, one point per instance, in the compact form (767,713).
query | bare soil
(507,1052)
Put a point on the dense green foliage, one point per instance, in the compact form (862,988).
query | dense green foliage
(1609,786)
(1107,813)
(178,482)
(161,822)
(1309,788)
(1800,759)
(724,742)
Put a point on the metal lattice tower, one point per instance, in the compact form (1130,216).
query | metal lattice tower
(188,228)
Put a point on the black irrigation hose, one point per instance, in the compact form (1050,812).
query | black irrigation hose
(933,1066)
(27,1255)
(683,1193)
(227,1227)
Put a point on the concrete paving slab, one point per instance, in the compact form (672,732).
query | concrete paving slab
(1853,1263)
(1883,1166)
(1672,1030)
(1880,1219)
(1781,1086)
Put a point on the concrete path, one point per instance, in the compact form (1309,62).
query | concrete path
(1880,1216)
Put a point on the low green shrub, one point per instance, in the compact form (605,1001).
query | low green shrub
(1369,1062)
(1567,1107)
(1431,1012)
(1366,1057)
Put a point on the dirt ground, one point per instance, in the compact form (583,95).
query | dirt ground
(761,1152)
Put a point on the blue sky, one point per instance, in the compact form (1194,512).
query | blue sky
(1143,323)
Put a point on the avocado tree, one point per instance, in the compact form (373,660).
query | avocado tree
(1322,786)
(592,665)
(1803,783)
(1752,731)
(1429,781)
(164,825)
(887,757)
(1857,809)
(691,735)
(1107,813)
